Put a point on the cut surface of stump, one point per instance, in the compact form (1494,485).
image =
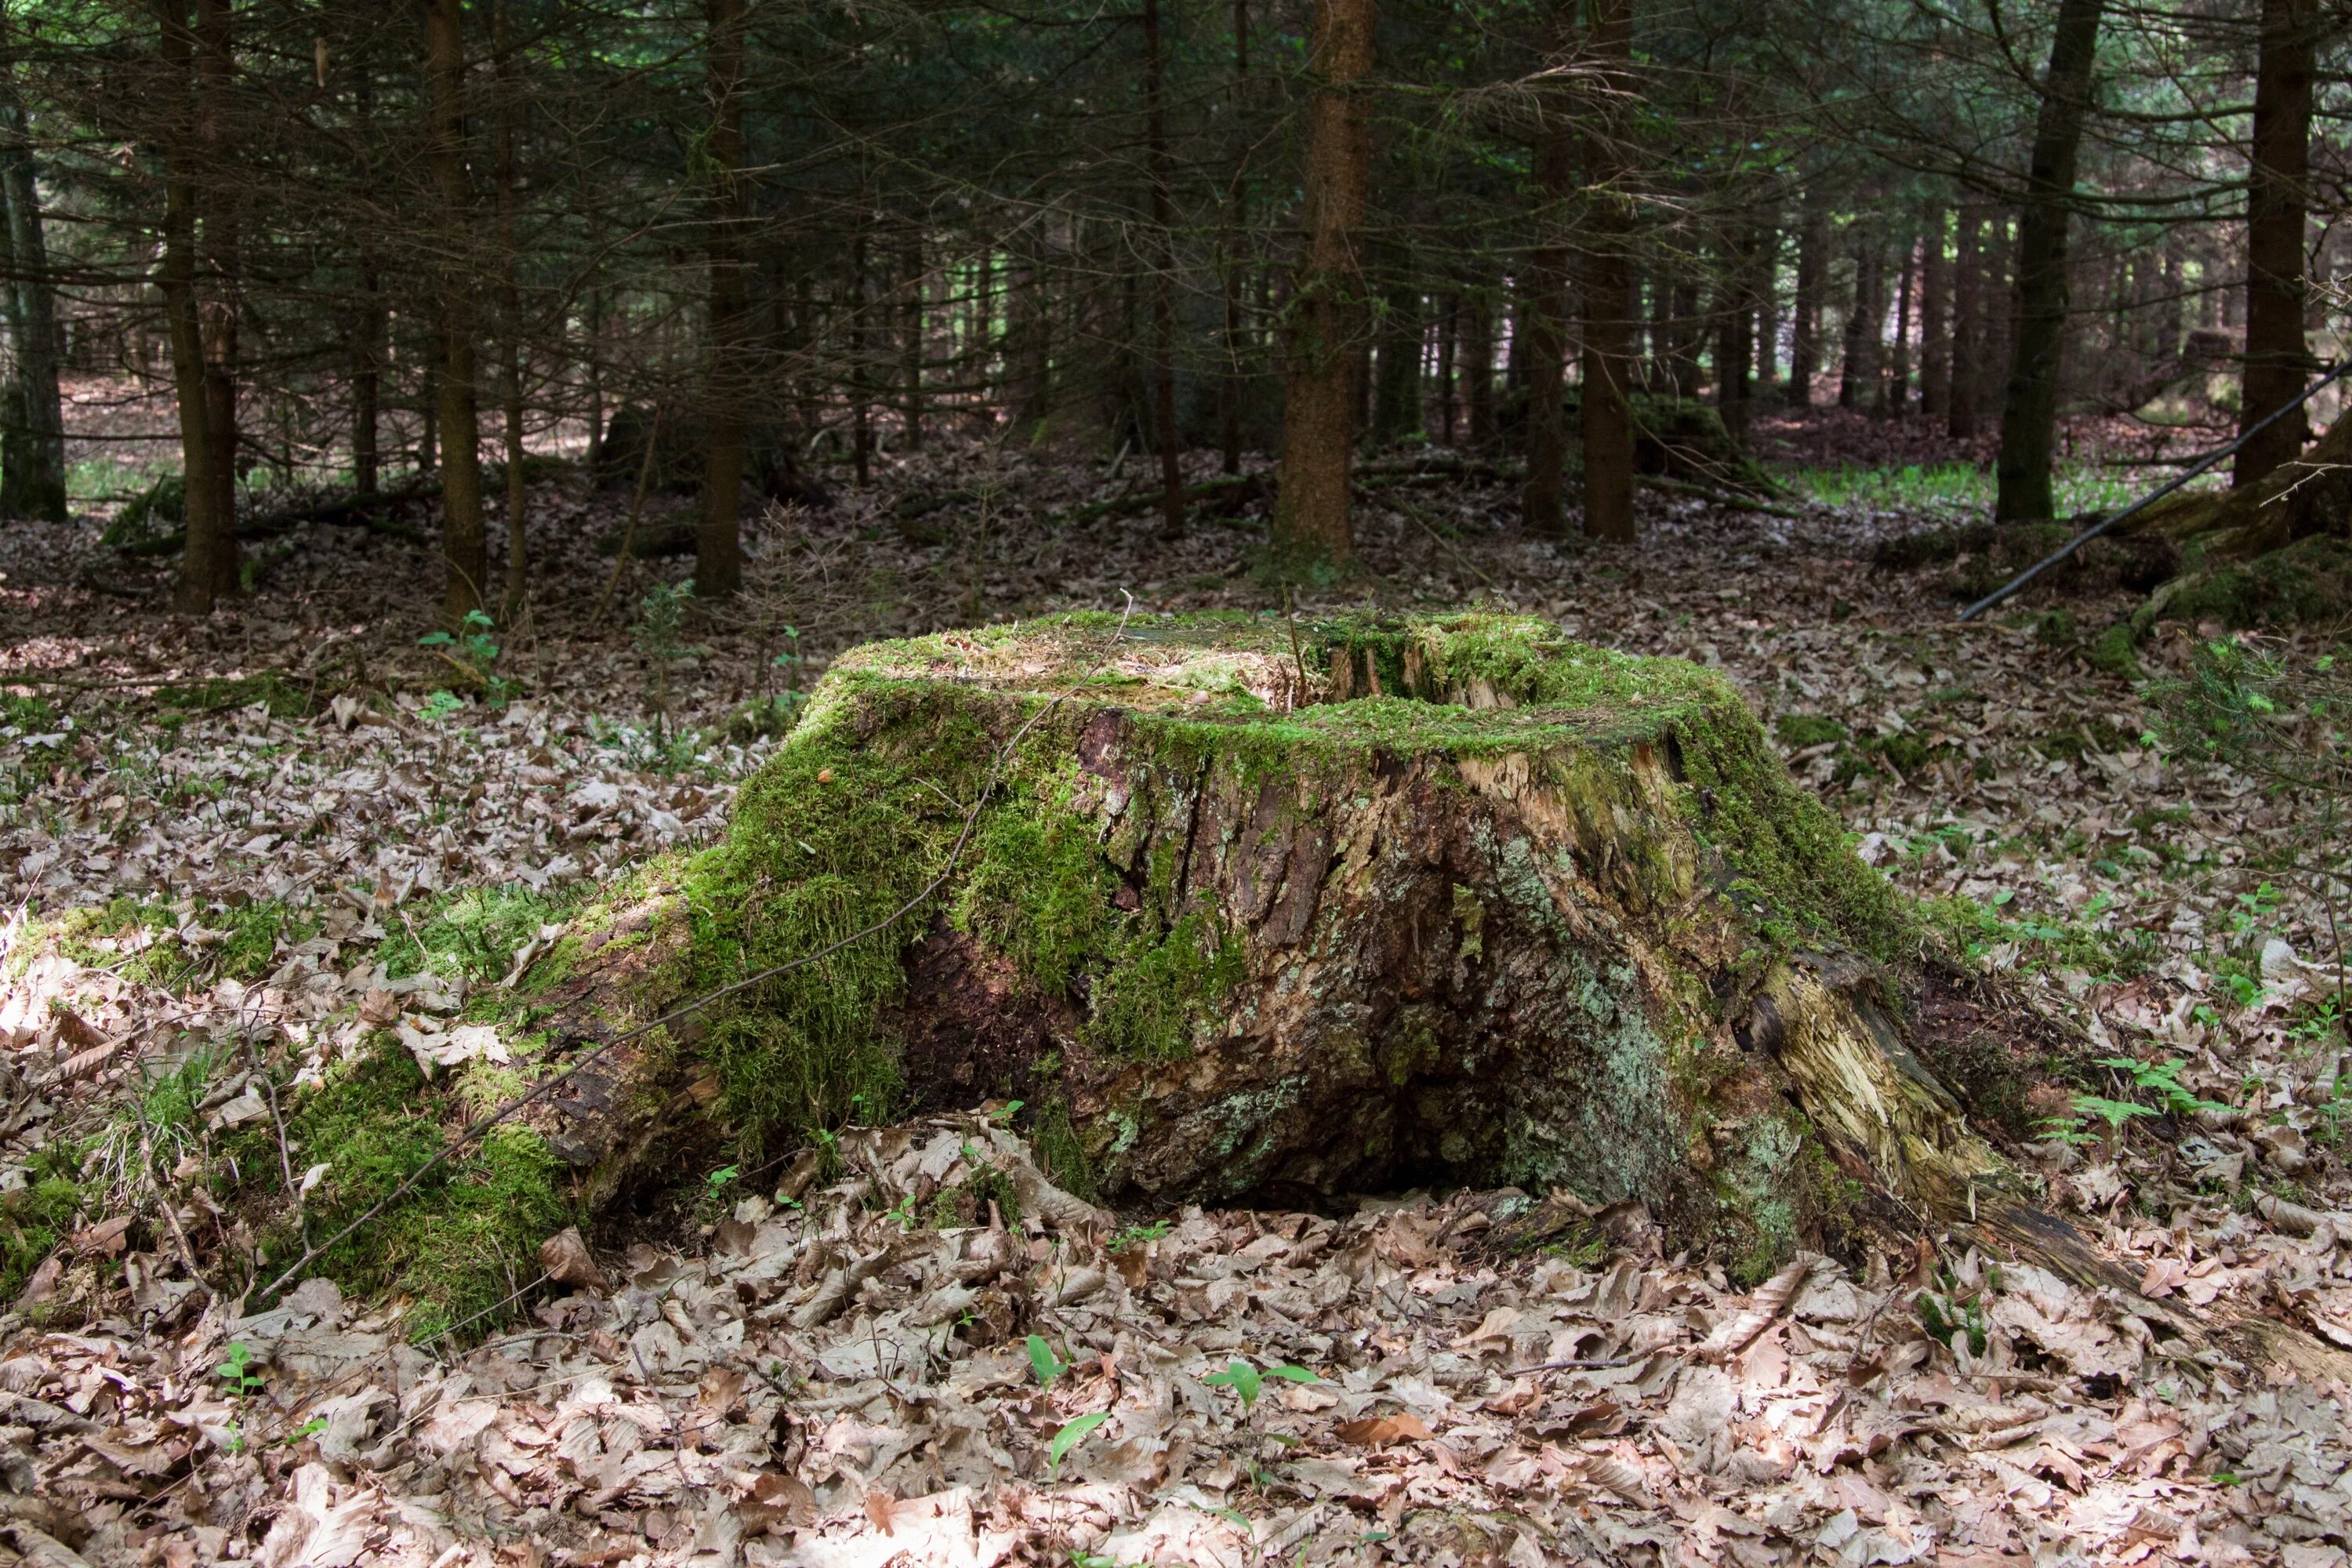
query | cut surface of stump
(1239,908)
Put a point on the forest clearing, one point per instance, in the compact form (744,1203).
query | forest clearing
(1236,785)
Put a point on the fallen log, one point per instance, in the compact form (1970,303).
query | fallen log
(1264,911)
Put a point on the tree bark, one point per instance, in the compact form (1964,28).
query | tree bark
(220,272)
(209,532)
(1232,260)
(911,337)
(1163,269)
(1736,337)
(1543,318)
(1478,365)
(1310,521)
(510,314)
(1935,321)
(2029,422)
(2277,358)
(33,477)
(463,549)
(1968,332)
(1894,387)
(1607,414)
(717,544)
(1396,393)
(1805,330)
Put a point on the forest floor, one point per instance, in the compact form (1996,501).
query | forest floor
(248,832)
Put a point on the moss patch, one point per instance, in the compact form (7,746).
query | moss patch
(463,1243)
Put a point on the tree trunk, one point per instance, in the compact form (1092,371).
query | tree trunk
(2029,421)
(2277,360)
(463,547)
(1396,394)
(1575,929)
(1449,330)
(1231,258)
(1735,338)
(1163,254)
(1608,308)
(861,412)
(1805,330)
(911,337)
(209,532)
(510,314)
(33,478)
(1543,318)
(1935,321)
(1968,326)
(1478,365)
(1310,520)
(1895,389)
(218,299)
(718,543)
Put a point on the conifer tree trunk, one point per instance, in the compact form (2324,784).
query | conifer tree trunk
(509,313)
(1449,328)
(861,412)
(33,477)
(1967,325)
(1805,329)
(1543,321)
(1396,395)
(463,547)
(911,337)
(717,544)
(1607,415)
(1735,339)
(368,324)
(1935,321)
(2029,422)
(1163,255)
(207,533)
(2277,358)
(1310,520)
(218,305)
(1895,388)
(1683,337)
(1478,366)
(1235,237)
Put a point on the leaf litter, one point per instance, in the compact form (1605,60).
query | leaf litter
(845,1377)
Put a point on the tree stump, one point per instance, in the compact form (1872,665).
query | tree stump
(1237,908)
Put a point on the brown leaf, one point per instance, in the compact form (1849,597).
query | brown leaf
(565,1258)
(1380,1431)
(380,1007)
(105,1236)
(881,1506)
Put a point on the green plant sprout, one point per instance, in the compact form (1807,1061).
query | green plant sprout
(1071,1435)
(238,1374)
(1043,1362)
(473,653)
(1249,1382)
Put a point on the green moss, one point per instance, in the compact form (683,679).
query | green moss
(1039,892)
(38,1216)
(213,693)
(2307,582)
(1159,991)
(462,1242)
(1060,1153)
(477,931)
(1798,731)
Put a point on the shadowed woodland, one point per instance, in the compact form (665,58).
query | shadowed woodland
(996,783)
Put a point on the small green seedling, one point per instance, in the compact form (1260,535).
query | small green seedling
(440,705)
(1041,1359)
(1139,1235)
(1249,1382)
(239,1373)
(720,1177)
(1071,1435)
(2164,1079)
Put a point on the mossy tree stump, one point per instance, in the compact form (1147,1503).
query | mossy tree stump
(1257,910)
